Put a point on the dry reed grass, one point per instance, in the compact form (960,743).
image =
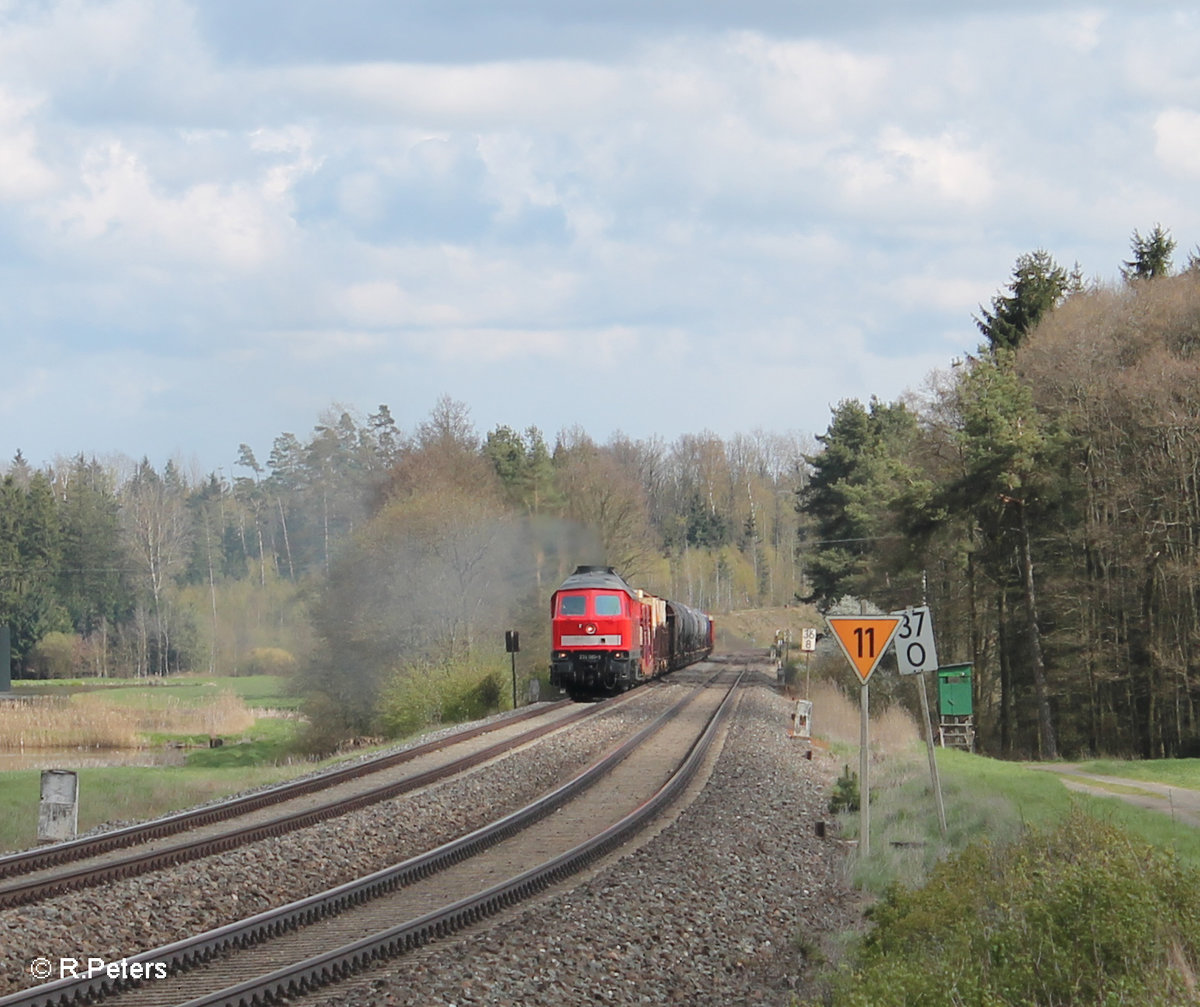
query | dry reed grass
(836,718)
(89,720)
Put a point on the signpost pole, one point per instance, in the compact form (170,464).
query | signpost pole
(933,766)
(864,775)
(916,653)
(863,640)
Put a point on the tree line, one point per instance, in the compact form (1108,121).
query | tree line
(1043,496)
(363,548)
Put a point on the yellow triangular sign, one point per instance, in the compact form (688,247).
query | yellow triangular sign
(863,639)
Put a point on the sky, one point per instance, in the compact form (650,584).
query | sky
(221,219)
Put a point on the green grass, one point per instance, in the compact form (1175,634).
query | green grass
(1171,772)
(270,741)
(1082,913)
(128,793)
(260,755)
(983,798)
(998,812)
(263,691)
(1110,787)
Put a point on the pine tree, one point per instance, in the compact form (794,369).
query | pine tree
(1151,255)
(1038,284)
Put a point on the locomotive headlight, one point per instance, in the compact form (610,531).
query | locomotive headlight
(589,629)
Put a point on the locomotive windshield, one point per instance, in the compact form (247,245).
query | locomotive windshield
(608,604)
(572,604)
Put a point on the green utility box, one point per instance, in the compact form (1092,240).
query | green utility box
(954,690)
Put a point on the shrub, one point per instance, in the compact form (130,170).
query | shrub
(421,696)
(845,795)
(54,656)
(269,661)
(326,727)
(1082,914)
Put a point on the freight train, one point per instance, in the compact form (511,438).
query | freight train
(606,637)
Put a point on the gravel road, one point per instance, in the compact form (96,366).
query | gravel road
(1181,803)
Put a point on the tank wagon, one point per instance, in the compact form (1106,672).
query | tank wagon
(607,637)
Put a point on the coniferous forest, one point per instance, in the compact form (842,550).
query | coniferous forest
(1042,494)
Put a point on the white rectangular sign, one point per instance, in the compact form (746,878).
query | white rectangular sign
(915,651)
(808,640)
(611,640)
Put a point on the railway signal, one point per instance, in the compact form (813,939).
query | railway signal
(512,644)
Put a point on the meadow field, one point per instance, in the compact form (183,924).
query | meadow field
(254,716)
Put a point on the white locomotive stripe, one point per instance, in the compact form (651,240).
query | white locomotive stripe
(587,641)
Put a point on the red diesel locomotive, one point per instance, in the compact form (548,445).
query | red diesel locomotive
(606,637)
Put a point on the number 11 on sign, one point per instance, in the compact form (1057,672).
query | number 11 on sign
(863,640)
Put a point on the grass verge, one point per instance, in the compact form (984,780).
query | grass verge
(1000,818)
(982,798)
(128,794)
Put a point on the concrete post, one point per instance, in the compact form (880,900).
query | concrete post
(58,813)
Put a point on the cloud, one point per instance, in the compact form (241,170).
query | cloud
(296,203)
(121,207)
(1177,141)
(23,173)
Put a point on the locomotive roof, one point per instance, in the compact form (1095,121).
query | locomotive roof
(603,577)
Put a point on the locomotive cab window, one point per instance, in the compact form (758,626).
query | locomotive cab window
(608,604)
(572,604)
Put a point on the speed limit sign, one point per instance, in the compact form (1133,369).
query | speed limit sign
(915,650)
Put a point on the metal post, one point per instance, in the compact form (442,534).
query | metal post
(864,779)
(512,643)
(933,766)
(5,659)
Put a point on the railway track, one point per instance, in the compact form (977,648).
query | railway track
(42,873)
(327,936)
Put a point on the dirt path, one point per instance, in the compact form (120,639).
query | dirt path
(1181,803)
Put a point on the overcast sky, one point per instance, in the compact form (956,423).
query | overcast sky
(219,218)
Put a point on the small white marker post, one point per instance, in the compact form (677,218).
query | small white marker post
(808,643)
(58,810)
(863,639)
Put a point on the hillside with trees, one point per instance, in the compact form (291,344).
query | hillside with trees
(1044,496)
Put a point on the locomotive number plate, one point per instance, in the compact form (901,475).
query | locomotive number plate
(612,640)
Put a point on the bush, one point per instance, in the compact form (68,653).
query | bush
(425,695)
(845,795)
(268,661)
(1082,914)
(54,656)
(326,727)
